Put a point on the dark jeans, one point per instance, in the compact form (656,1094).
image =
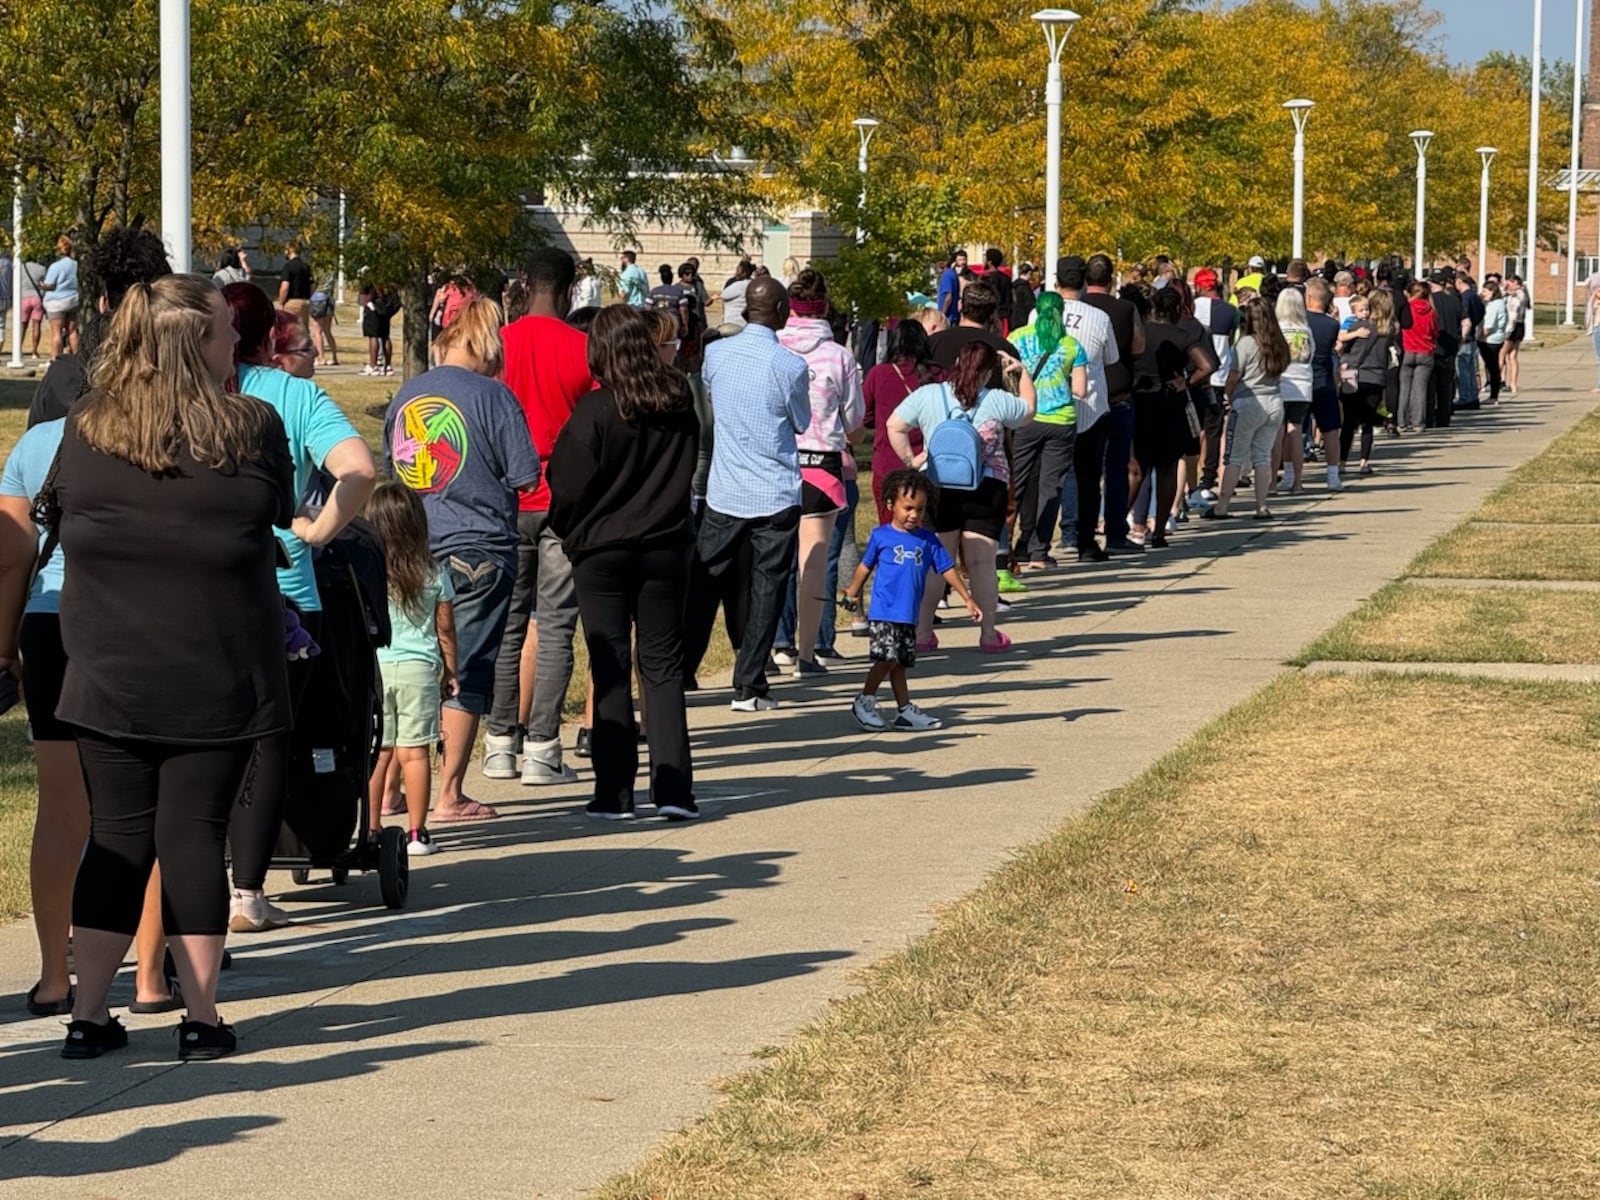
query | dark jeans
(1211,424)
(1089,463)
(150,800)
(483,593)
(1360,409)
(1041,461)
(556,599)
(619,592)
(743,564)
(253,828)
(1119,450)
(1444,388)
(508,662)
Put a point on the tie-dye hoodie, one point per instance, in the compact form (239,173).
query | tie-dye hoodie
(837,408)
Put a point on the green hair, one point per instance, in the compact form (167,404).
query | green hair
(1047,325)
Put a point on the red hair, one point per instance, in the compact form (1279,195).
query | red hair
(285,327)
(254,317)
(976,365)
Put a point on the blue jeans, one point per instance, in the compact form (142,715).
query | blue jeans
(845,526)
(1467,374)
(483,597)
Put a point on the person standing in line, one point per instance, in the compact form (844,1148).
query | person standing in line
(1364,342)
(1174,361)
(1255,417)
(908,365)
(379,304)
(166,497)
(620,482)
(1418,343)
(1023,297)
(633,283)
(949,298)
(827,464)
(1325,407)
(1472,310)
(61,299)
(547,368)
(292,351)
(1221,321)
(1042,449)
(760,395)
(1452,330)
(733,294)
(1091,329)
(1516,330)
(321,440)
(30,308)
(295,286)
(457,292)
(1294,390)
(232,267)
(1121,471)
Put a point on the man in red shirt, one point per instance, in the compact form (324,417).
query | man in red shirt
(547,366)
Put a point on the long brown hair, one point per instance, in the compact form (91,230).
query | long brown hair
(1257,320)
(153,401)
(1380,310)
(397,514)
(975,366)
(622,357)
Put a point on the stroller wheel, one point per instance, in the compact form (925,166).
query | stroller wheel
(301,876)
(394,867)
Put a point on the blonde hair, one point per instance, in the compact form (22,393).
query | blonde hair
(932,320)
(475,331)
(153,400)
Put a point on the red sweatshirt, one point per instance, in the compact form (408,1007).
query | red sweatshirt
(1423,335)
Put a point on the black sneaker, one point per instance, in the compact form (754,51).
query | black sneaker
(1124,547)
(87,1039)
(198,1041)
(684,810)
(581,750)
(1092,553)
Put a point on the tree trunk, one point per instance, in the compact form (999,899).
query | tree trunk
(414,345)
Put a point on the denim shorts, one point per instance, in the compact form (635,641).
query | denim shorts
(483,598)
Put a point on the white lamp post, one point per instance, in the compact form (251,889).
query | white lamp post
(177,226)
(1486,153)
(1057,24)
(1420,138)
(866,127)
(1299,110)
(1572,173)
(16,257)
(1528,273)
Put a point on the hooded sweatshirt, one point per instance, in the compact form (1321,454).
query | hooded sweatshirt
(837,407)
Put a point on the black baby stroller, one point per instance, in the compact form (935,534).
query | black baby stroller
(338,727)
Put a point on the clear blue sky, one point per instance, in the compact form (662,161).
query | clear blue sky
(1472,28)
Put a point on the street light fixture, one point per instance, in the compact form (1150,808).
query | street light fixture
(866,127)
(1299,110)
(1486,153)
(1420,139)
(1057,24)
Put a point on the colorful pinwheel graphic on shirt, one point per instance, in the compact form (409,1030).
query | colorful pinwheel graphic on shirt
(430,443)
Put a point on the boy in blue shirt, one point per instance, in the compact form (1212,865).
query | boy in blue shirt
(902,552)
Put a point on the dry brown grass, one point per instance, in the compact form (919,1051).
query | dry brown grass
(1414,623)
(1249,973)
(1475,551)
(1546,503)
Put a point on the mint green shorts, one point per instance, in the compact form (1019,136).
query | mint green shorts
(410,703)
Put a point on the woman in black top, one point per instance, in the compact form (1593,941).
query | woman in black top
(620,478)
(165,495)
(1172,363)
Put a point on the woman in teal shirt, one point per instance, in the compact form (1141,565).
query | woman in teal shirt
(321,440)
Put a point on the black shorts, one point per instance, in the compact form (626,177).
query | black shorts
(982,511)
(1295,412)
(1326,408)
(821,482)
(44,666)
(892,642)
(1515,334)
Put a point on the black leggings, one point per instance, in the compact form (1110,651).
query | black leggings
(150,800)
(620,591)
(253,829)
(1491,367)
(1360,408)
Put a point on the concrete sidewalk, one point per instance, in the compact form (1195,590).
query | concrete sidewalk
(558,995)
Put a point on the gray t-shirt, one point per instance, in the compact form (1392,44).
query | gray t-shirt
(1253,378)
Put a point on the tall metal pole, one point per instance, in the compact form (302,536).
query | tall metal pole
(1057,24)
(1572,180)
(1420,138)
(177,225)
(866,127)
(338,287)
(1528,272)
(1486,153)
(16,256)
(1299,110)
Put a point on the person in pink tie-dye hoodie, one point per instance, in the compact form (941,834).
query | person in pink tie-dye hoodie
(826,461)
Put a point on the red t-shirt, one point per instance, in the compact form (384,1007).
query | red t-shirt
(547,366)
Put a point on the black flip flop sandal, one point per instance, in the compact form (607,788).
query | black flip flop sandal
(171,1003)
(50,1008)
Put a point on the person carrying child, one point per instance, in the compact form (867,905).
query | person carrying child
(419,664)
(899,554)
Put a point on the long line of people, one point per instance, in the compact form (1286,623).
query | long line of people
(624,467)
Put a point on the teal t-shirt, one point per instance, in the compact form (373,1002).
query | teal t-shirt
(315,425)
(24,474)
(415,638)
(1052,380)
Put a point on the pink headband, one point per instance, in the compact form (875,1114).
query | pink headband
(809,308)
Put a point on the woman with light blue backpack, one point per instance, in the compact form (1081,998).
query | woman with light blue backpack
(964,424)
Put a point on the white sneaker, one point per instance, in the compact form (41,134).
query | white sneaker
(1288,477)
(252,912)
(421,845)
(754,704)
(913,718)
(369,370)
(784,657)
(542,765)
(1334,483)
(1172,525)
(865,710)
(499,756)
(1203,498)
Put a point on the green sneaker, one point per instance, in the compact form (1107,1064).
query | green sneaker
(1009,583)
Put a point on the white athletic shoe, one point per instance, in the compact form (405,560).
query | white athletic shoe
(499,756)
(542,765)
(754,704)
(865,710)
(252,912)
(913,718)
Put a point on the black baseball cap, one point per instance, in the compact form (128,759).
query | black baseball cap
(1071,272)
